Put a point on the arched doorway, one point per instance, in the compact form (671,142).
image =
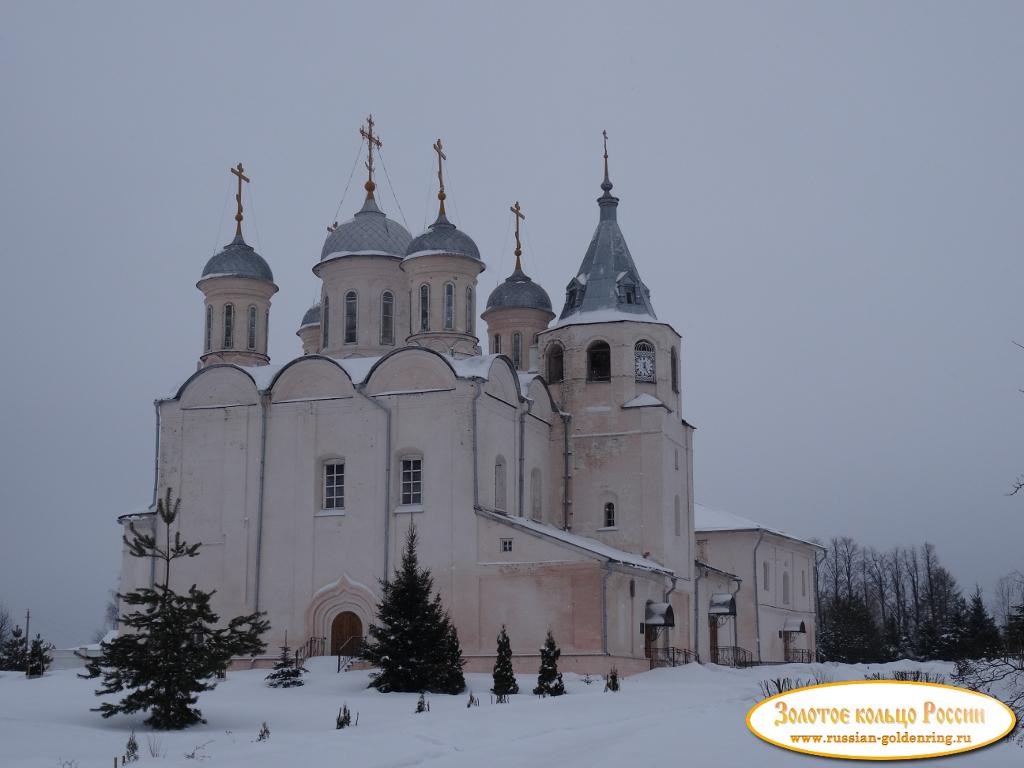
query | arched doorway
(346,634)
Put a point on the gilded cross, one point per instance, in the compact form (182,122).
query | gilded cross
(605,135)
(519,248)
(441,157)
(239,171)
(371,142)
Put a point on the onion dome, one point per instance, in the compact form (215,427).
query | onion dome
(238,259)
(312,316)
(443,237)
(519,290)
(368,233)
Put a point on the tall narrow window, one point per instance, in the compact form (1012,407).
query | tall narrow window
(266,330)
(675,370)
(517,350)
(449,306)
(470,314)
(764,573)
(209,328)
(325,321)
(351,307)
(536,489)
(599,362)
(229,326)
(499,484)
(496,346)
(643,361)
(424,307)
(412,480)
(334,485)
(387,318)
(803,583)
(679,518)
(251,336)
(785,588)
(609,515)
(556,364)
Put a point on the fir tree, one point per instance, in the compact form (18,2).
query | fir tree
(14,652)
(504,679)
(414,645)
(1013,642)
(287,671)
(980,638)
(131,749)
(39,658)
(549,679)
(848,632)
(170,648)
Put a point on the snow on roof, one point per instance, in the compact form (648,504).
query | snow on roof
(475,367)
(606,316)
(582,542)
(707,519)
(643,400)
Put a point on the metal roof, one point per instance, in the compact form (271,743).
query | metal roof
(238,259)
(368,232)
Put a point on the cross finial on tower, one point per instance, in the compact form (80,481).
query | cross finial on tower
(606,185)
(239,171)
(519,248)
(441,156)
(371,142)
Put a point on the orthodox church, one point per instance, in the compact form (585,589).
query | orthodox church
(550,477)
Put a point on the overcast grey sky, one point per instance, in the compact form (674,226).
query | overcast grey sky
(826,200)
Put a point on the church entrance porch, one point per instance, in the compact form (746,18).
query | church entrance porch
(346,634)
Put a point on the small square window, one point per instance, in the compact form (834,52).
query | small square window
(506,545)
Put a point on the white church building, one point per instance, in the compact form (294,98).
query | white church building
(550,477)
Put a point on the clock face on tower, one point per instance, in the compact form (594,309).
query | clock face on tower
(644,366)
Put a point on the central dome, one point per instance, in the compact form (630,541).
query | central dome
(369,233)
(519,291)
(443,237)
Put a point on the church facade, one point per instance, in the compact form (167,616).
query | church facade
(550,478)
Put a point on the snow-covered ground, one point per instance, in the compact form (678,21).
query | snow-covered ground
(692,715)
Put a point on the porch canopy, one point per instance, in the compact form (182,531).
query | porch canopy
(659,615)
(794,625)
(722,604)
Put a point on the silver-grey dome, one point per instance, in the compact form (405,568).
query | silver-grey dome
(369,231)
(312,316)
(519,290)
(445,237)
(238,259)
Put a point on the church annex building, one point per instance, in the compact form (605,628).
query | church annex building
(550,477)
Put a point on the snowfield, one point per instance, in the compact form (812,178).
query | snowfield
(692,715)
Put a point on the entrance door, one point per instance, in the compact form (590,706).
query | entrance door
(713,638)
(787,645)
(650,635)
(346,634)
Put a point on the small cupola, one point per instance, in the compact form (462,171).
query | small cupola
(309,330)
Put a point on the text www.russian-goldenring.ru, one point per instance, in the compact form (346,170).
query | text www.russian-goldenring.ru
(904,737)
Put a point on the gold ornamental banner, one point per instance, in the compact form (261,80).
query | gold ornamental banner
(880,720)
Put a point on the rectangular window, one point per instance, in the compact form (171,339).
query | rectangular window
(506,545)
(517,350)
(785,588)
(229,326)
(334,485)
(424,307)
(412,480)
(350,317)
(496,347)
(251,340)
(609,515)
(764,572)
(449,306)
(387,318)
(803,583)
(209,327)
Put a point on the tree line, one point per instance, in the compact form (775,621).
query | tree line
(878,606)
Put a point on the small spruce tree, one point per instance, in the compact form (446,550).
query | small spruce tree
(549,679)
(611,683)
(504,678)
(287,671)
(344,719)
(39,658)
(413,644)
(170,648)
(131,749)
(980,639)
(14,652)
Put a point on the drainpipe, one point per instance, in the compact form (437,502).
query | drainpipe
(522,452)
(604,608)
(757,598)
(476,463)
(668,596)
(387,481)
(696,612)
(264,413)
(566,476)
(817,607)
(735,619)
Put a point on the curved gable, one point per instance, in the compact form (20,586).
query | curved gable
(311,378)
(218,385)
(503,381)
(545,406)
(410,369)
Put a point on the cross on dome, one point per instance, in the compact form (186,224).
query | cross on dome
(239,171)
(371,142)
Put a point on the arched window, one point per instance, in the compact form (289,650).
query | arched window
(251,337)
(351,307)
(679,518)
(517,350)
(266,329)
(325,321)
(209,328)
(785,587)
(387,318)
(643,361)
(470,313)
(449,306)
(599,362)
(496,346)
(424,307)
(229,326)
(499,484)
(535,494)
(675,370)
(556,363)
(609,515)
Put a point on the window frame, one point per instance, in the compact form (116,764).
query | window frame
(470,314)
(501,484)
(674,361)
(250,340)
(517,350)
(608,515)
(599,346)
(332,502)
(505,546)
(766,574)
(448,307)
(387,318)
(411,477)
(325,322)
(786,588)
(209,328)
(536,494)
(644,350)
(496,346)
(555,351)
(229,326)
(351,318)
(424,307)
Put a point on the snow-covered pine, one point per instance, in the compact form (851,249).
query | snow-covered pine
(549,679)
(287,671)
(504,678)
